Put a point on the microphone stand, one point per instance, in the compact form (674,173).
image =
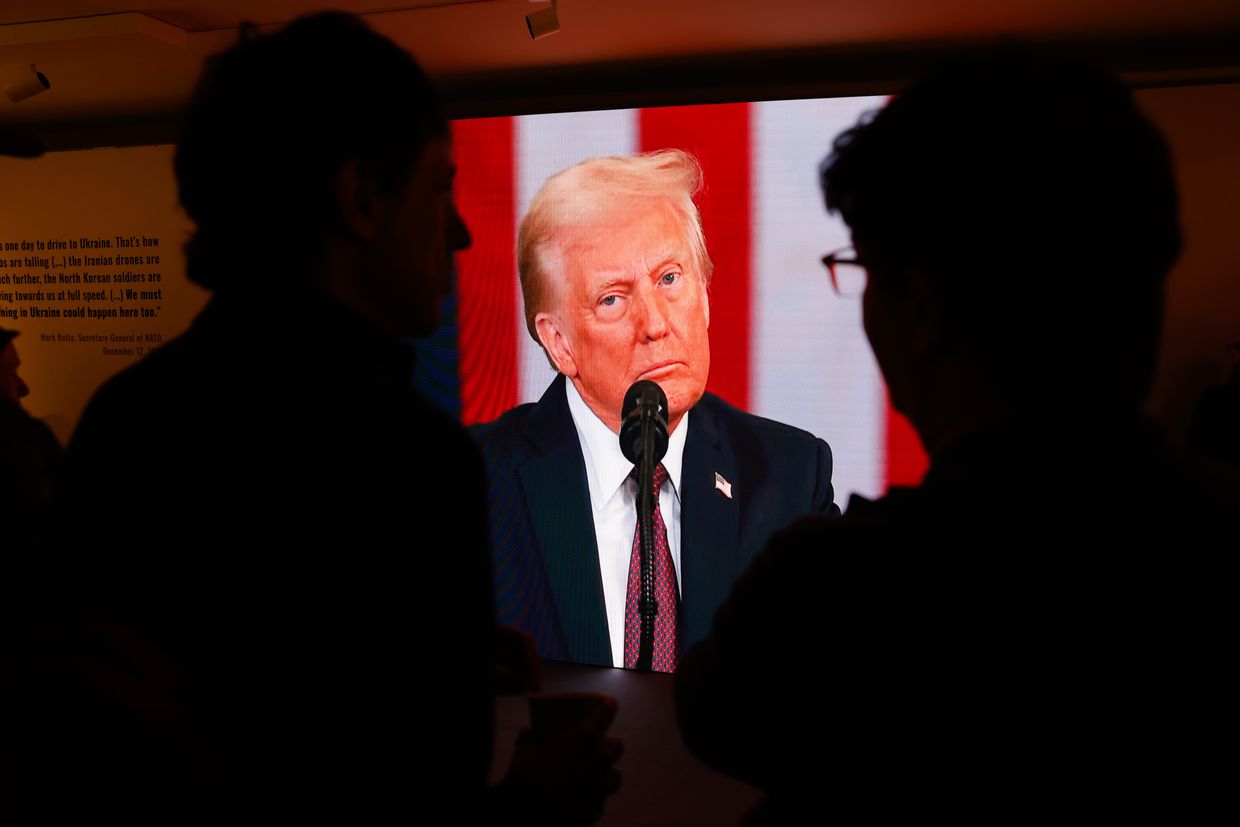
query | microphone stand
(647,606)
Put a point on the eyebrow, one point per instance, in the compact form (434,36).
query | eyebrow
(612,283)
(668,260)
(665,261)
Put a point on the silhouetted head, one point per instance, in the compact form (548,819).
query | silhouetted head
(11,385)
(292,139)
(1014,210)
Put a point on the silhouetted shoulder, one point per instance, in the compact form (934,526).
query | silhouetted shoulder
(806,606)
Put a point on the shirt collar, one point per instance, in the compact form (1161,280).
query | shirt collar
(606,466)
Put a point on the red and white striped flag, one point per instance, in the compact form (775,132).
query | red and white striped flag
(783,345)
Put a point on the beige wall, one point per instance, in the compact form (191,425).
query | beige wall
(94,194)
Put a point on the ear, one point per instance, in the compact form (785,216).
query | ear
(706,301)
(357,199)
(556,345)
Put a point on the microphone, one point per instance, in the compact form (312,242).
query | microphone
(643,439)
(644,402)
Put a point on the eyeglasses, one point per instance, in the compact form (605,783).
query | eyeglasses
(847,272)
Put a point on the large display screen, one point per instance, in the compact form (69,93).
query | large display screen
(93,289)
(783,344)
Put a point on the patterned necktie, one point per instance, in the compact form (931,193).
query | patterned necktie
(667,621)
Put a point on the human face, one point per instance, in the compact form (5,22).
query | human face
(882,316)
(902,319)
(417,230)
(11,385)
(631,304)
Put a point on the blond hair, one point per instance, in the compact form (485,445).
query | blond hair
(584,194)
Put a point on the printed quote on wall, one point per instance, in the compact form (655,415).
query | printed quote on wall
(94,281)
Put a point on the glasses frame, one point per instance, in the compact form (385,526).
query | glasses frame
(844,255)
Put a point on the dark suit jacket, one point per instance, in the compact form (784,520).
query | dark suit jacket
(547,573)
(1044,632)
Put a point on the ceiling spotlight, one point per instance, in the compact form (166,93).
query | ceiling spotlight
(23,81)
(543,22)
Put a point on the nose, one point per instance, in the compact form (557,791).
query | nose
(459,237)
(653,311)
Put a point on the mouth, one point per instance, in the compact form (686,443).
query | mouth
(660,370)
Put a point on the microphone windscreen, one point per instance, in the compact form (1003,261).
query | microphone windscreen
(641,393)
(643,399)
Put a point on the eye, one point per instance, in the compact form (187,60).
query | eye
(668,279)
(608,301)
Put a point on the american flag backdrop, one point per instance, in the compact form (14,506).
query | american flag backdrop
(783,345)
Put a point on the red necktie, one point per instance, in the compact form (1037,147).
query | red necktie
(667,621)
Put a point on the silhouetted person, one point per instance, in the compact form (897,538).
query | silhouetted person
(29,452)
(1041,632)
(29,460)
(273,562)
(1215,430)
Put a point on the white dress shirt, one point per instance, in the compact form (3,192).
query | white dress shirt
(613,503)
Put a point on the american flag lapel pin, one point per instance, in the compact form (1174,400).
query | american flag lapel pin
(723,485)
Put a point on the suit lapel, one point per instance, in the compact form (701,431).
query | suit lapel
(710,557)
(557,495)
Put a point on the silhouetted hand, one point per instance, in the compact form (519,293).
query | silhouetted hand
(563,767)
(517,666)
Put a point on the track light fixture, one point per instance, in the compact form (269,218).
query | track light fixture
(23,81)
(543,22)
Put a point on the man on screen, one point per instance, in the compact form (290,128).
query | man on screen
(615,277)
